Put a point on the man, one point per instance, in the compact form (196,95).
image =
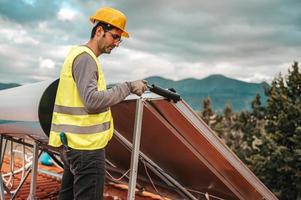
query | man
(82,119)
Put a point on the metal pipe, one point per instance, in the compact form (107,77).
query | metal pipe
(21,184)
(156,169)
(136,147)
(32,194)
(167,93)
(2,196)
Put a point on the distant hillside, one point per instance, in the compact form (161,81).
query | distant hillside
(8,85)
(219,88)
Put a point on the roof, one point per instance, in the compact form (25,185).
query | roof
(48,185)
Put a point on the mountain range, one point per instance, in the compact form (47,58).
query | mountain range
(219,88)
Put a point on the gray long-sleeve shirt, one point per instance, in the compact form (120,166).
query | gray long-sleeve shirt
(85,74)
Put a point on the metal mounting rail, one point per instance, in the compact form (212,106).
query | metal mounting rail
(156,169)
(30,167)
(135,151)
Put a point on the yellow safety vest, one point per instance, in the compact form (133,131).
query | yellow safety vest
(84,131)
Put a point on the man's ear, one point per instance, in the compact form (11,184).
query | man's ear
(100,31)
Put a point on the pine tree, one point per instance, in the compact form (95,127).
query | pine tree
(213,120)
(230,135)
(250,124)
(207,112)
(279,162)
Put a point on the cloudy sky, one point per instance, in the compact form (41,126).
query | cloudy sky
(247,40)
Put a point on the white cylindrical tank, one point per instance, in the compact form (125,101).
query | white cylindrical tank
(26,111)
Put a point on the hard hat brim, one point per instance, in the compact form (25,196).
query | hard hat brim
(124,33)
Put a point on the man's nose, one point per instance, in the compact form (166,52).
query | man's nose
(116,43)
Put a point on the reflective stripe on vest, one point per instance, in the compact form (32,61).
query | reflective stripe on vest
(83,130)
(73,111)
(80,129)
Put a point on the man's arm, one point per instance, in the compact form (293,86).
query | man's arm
(85,74)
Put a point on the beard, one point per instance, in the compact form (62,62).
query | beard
(109,49)
(105,48)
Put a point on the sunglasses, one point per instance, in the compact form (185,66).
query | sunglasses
(116,38)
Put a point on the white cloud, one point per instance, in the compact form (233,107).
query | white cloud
(257,78)
(66,14)
(46,63)
(17,35)
(179,40)
(134,65)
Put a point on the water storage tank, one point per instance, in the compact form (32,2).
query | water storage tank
(26,111)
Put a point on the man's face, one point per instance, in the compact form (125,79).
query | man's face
(109,40)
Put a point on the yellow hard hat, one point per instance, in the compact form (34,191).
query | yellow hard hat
(111,16)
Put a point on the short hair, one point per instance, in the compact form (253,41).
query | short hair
(106,27)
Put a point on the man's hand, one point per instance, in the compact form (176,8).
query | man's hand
(138,87)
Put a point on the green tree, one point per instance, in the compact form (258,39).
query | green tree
(211,118)
(268,138)
(250,125)
(207,112)
(224,125)
(231,135)
(278,163)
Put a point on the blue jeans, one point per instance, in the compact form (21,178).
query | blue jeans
(84,174)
